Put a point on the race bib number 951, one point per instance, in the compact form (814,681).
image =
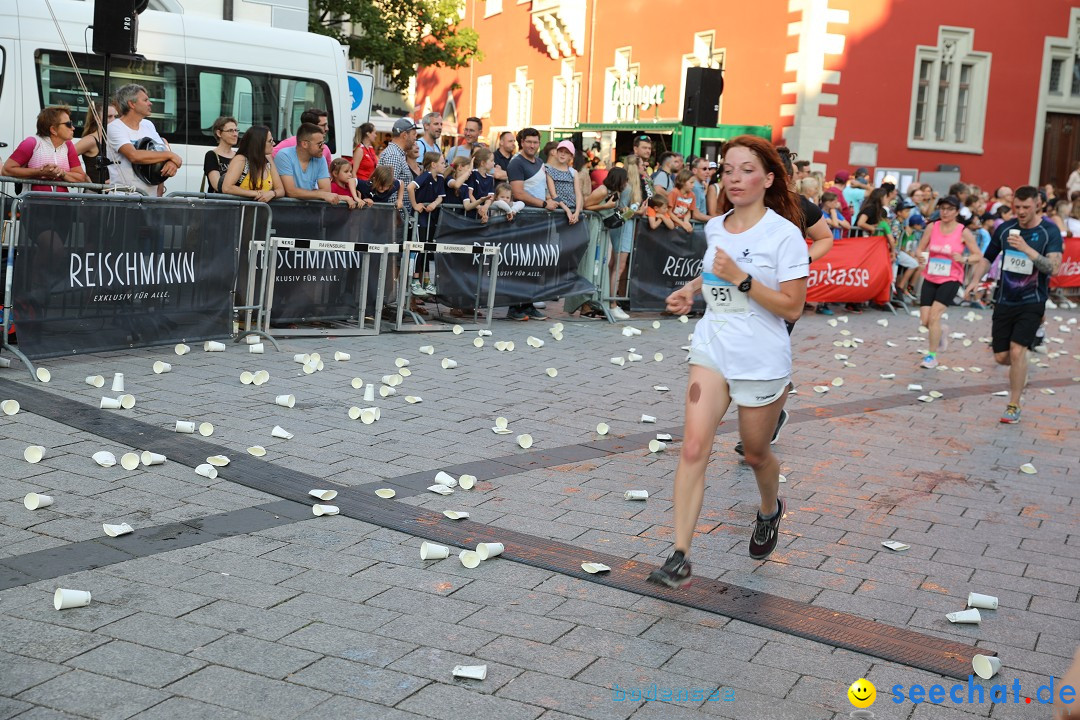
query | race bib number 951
(723,297)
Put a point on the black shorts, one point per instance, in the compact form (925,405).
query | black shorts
(1016,324)
(945,293)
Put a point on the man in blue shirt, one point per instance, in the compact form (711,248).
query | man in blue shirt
(1032,248)
(303,171)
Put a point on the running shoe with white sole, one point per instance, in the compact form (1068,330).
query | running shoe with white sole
(929,362)
(766,532)
(1011,415)
(675,573)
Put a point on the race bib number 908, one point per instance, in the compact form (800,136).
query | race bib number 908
(1019,263)
(723,297)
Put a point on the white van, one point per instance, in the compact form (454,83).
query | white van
(195,70)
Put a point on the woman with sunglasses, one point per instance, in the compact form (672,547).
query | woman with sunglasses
(216,162)
(50,155)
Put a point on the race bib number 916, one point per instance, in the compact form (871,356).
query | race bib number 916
(723,297)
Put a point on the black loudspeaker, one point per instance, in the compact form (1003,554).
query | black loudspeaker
(704,86)
(116,26)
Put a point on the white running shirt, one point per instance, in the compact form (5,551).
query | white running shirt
(748,342)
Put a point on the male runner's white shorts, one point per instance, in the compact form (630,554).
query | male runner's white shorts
(746,393)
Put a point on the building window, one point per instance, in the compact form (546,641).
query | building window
(483,96)
(519,109)
(948,107)
(1075,91)
(492,7)
(566,96)
(1056,66)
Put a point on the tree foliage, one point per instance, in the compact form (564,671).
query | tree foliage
(398,35)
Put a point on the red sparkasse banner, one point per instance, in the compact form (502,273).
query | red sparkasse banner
(1069,274)
(855,270)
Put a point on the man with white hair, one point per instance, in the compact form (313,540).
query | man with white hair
(429,140)
(134,127)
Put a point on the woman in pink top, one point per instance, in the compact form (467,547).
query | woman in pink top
(50,155)
(942,259)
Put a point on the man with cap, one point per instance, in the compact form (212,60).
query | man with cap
(840,182)
(396,155)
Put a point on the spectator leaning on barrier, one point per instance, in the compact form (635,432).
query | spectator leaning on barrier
(504,153)
(302,173)
(482,182)
(49,155)
(473,127)
(252,172)
(216,161)
(856,190)
(132,126)
(396,155)
(840,181)
(364,157)
(562,181)
(428,140)
(89,149)
(311,116)
(528,182)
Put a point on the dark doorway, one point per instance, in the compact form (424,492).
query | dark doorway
(1061,149)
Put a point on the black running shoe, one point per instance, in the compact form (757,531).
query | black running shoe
(675,573)
(780,423)
(766,533)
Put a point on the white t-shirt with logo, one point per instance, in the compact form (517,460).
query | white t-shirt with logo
(121,172)
(740,337)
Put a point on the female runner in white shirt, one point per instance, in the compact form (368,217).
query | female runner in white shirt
(757,266)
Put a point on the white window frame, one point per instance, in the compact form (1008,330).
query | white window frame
(492,7)
(519,99)
(955,49)
(566,95)
(483,96)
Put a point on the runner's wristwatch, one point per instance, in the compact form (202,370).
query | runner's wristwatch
(744,286)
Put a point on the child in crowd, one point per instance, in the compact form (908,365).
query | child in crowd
(681,200)
(1004,214)
(503,203)
(426,194)
(343,182)
(562,182)
(902,259)
(382,187)
(482,182)
(657,212)
(830,210)
(458,192)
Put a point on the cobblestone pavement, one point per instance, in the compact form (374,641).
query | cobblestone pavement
(286,615)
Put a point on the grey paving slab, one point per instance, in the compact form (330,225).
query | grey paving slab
(178,636)
(253,655)
(136,663)
(358,680)
(251,694)
(95,696)
(448,702)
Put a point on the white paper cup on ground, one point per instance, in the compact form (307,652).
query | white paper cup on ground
(33,454)
(206,429)
(354,413)
(213,346)
(43,375)
(257,348)
(357,383)
(385,493)
(324,495)
(448,364)
(440,489)
(261,377)
(36,501)
(593,567)
(207,471)
(469,558)
(413,399)
(986,666)
(320,510)
(392,380)
(184,426)
(127,401)
(634,357)
(457,329)
(218,460)
(368,415)
(256,450)
(488,550)
(455,514)
(310,367)
(64,599)
(483,333)
(500,345)
(636,495)
(467,482)
(104,458)
(117,530)
(118,382)
(602,429)
(551,372)
(162,367)
(648,419)
(502,423)
(472,672)
(432,551)
(445,478)
(427,350)
(387,391)
(967,617)
(285,400)
(95,380)
(10,407)
(342,356)
(302,358)
(181,349)
(129,461)
(247,377)
(656,446)
(978,600)
(478,342)
(525,441)
(620,361)
(108,403)
(152,458)
(280,432)
(404,372)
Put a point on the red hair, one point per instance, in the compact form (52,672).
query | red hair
(778,196)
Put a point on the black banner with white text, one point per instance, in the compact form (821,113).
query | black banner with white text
(96,273)
(664,261)
(539,258)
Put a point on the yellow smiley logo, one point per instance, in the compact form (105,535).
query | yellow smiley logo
(862,693)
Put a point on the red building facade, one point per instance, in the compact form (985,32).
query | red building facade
(900,86)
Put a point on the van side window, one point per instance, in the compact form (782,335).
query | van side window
(58,85)
(253,98)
